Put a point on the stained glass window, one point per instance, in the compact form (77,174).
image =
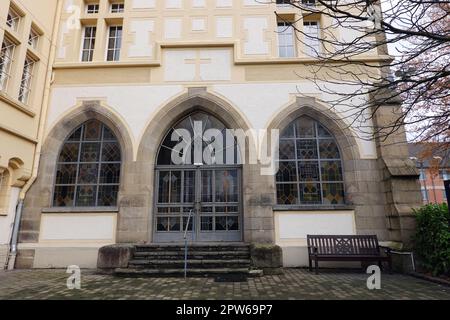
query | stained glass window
(88,168)
(310,166)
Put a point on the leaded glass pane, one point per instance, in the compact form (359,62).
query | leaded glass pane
(286,172)
(287,149)
(174,223)
(288,132)
(110,151)
(88,173)
(63,196)
(163,186)
(107,195)
(328,149)
(86,196)
(307,149)
(308,171)
(324,133)
(221,223)
(92,130)
(333,193)
(189,186)
(331,170)
(90,152)
(162,224)
(66,174)
(78,177)
(110,173)
(175,186)
(305,128)
(207,185)
(69,152)
(76,135)
(206,223)
(310,193)
(287,193)
(233,223)
(226,186)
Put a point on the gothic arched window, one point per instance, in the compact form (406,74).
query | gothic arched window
(310,166)
(88,168)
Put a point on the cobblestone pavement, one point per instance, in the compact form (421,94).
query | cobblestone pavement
(293,284)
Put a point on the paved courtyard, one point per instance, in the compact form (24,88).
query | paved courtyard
(293,284)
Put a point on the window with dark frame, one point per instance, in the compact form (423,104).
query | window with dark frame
(114,43)
(88,168)
(310,166)
(87,52)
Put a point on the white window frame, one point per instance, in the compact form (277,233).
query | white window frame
(13,19)
(91,48)
(115,49)
(5,68)
(285,32)
(95,9)
(312,44)
(120,7)
(27,80)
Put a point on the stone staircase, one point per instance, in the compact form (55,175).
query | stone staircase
(203,260)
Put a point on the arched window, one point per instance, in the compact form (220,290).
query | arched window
(310,166)
(88,168)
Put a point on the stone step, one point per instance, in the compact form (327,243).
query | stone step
(206,264)
(192,255)
(193,272)
(194,247)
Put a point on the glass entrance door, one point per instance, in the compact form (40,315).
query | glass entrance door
(210,194)
(209,191)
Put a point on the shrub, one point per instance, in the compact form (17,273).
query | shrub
(432,238)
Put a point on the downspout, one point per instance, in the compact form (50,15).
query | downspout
(40,135)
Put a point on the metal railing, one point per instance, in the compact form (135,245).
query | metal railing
(186,241)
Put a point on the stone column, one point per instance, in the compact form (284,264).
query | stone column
(400,183)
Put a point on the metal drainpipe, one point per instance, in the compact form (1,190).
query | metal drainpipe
(15,235)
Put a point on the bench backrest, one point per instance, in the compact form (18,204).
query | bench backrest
(343,244)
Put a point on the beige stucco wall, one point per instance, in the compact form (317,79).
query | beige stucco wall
(19,122)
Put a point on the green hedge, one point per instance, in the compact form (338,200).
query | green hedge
(432,238)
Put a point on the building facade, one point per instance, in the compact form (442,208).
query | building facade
(26,30)
(128,75)
(434,169)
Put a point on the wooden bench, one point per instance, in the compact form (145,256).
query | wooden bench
(346,248)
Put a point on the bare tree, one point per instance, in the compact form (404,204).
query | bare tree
(355,71)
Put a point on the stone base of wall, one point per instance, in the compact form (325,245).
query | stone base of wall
(4,250)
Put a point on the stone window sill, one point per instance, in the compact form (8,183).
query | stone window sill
(313,208)
(79,209)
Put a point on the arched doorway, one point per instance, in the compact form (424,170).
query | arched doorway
(198,179)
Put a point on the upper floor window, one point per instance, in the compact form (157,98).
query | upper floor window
(284,3)
(27,78)
(445,174)
(114,43)
(312,38)
(423,174)
(310,167)
(87,52)
(88,168)
(309,2)
(6,60)
(13,19)
(92,8)
(33,38)
(117,7)
(286,43)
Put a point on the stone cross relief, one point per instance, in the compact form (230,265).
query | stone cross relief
(198,61)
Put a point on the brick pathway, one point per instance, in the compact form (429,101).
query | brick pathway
(293,284)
